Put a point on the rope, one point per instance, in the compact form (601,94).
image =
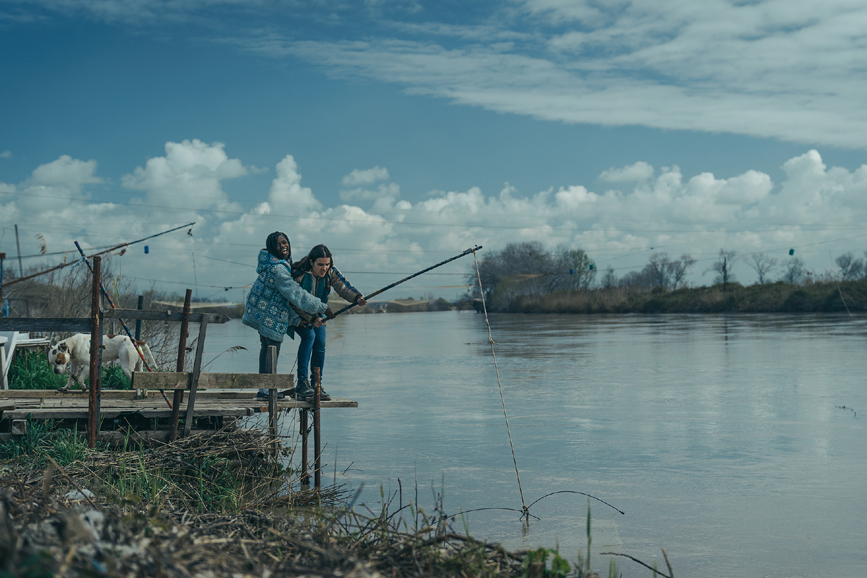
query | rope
(525,509)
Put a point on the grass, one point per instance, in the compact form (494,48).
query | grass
(30,370)
(225,503)
(42,440)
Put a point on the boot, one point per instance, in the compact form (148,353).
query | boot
(303,391)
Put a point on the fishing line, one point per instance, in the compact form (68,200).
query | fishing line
(500,386)
(581,493)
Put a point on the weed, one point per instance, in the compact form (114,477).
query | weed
(30,370)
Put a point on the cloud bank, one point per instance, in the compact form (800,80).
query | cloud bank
(640,209)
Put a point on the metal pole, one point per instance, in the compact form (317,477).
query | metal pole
(18,245)
(93,401)
(182,352)
(317,465)
(396,283)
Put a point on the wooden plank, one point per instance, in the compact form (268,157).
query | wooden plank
(203,410)
(6,404)
(175,380)
(75,324)
(167,315)
(111,413)
(194,379)
(71,394)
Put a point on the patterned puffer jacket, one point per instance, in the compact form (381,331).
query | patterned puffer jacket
(267,308)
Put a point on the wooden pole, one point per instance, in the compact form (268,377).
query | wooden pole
(138,321)
(197,370)
(272,397)
(305,477)
(18,245)
(182,352)
(93,400)
(317,464)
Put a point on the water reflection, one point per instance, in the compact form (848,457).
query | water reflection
(719,436)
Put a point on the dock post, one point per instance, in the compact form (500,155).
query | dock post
(140,306)
(194,380)
(272,398)
(317,465)
(95,351)
(302,421)
(182,353)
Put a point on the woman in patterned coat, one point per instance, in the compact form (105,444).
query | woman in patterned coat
(268,305)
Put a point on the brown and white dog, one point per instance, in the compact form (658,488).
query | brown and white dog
(72,356)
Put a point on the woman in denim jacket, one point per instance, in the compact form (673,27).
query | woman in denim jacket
(317,275)
(268,305)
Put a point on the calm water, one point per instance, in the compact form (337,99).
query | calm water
(727,440)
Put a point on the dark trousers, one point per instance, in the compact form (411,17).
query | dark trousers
(263,353)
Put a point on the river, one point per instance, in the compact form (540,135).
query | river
(737,443)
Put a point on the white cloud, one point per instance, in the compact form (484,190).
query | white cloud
(187,178)
(818,209)
(6,155)
(639,171)
(772,69)
(365,177)
(66,171)
(286,190)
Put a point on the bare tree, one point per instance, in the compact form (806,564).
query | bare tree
(724,266)
(572,270)
(610,279)
(678,270)
(528,269)
(762,265)
(657,269)
(660,271)
(795,273)
(637,279)
(850,267)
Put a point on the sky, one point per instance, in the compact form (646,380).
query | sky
(401,132)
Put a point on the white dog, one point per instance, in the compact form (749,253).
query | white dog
(72,355)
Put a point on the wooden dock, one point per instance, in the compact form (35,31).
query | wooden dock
(50,404)
(125,408)
(144,412)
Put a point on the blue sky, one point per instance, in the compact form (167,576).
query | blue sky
(401,132)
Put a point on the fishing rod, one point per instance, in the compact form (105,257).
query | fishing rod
(113,306)
(375,293)
(71,263)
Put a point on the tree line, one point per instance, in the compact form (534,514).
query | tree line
(527,269)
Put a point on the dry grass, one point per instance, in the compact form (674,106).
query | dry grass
(216,506)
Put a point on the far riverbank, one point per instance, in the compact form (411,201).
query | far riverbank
(826,297)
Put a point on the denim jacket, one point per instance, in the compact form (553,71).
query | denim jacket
(321,288)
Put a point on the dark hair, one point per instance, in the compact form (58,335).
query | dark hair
(317,252)
(272,247)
